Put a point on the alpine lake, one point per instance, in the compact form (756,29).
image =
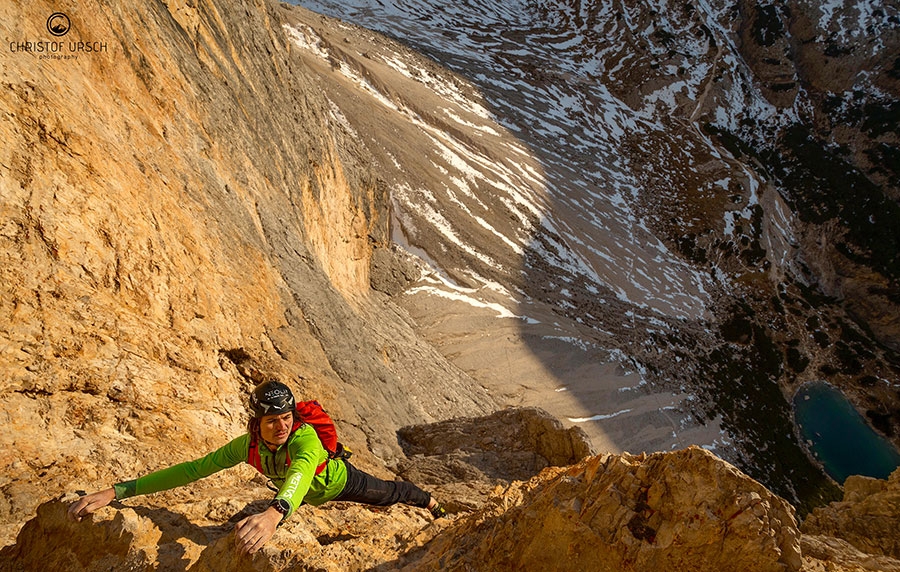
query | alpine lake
(839,437)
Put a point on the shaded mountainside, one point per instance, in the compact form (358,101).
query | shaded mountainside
(709,210)
(223,191)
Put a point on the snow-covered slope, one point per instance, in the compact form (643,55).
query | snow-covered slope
(545,82)
(608,186)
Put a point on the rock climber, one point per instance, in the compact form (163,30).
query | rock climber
(290,458)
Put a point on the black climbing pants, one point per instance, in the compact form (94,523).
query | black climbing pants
(362,487)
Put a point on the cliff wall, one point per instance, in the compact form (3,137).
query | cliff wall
(182,215)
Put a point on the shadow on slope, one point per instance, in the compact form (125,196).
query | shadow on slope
(605,220)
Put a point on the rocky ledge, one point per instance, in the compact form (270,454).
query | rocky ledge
(685,510)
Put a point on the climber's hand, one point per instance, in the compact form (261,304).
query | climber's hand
(252,532)
(89,503)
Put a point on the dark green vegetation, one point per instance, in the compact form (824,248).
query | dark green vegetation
(767,27)
(741,382)
(772,341)
(822,185)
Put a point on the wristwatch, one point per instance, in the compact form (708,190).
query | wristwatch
(281,506)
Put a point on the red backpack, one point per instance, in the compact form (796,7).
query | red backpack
(312,413)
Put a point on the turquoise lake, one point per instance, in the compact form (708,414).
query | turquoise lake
(841,439)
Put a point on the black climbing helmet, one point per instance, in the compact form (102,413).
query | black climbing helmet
(271,398)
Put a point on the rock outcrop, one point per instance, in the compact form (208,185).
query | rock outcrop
(858,532)
(466,458)
(685,511)
(868,517)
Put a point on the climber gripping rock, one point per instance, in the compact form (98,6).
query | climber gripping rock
(299,452)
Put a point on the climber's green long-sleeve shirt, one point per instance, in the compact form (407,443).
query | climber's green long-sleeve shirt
(297,483)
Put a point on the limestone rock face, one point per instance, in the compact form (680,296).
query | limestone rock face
(180,217)
(681,511)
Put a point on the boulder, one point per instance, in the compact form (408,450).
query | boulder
(686,510)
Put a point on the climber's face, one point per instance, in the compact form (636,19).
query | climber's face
(275,429)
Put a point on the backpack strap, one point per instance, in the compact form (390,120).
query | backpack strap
(287,459)
(253,458)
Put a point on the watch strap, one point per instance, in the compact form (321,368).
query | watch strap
(281,506)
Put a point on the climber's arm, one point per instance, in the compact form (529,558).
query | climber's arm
(181,474)
(226,456)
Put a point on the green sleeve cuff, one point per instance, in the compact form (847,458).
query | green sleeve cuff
(126,489)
